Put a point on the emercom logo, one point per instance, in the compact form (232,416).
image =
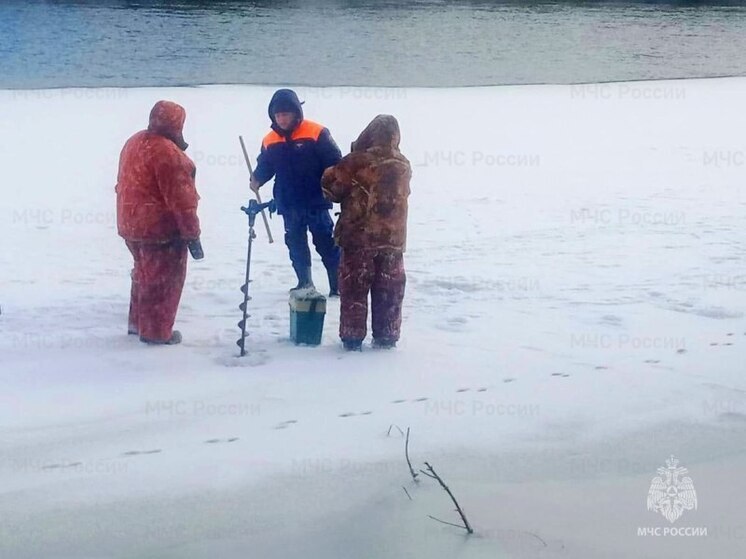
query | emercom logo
(672,491)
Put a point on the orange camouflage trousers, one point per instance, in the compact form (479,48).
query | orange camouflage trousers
(157,281)
(380,273)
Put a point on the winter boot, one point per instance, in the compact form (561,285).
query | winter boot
(304,277)
(173,340)
(333,282)
(384,343)
(351,344)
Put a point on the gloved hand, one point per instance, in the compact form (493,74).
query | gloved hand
(195,249)
(254,184)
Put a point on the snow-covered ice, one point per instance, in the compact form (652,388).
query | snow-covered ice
(574,315)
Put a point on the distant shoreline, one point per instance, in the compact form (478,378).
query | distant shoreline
(364,86)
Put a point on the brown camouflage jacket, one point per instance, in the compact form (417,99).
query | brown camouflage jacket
(372,185)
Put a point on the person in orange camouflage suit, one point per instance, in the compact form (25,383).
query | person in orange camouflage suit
(157,217)
(372,185)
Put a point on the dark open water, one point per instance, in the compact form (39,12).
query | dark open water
(365,42)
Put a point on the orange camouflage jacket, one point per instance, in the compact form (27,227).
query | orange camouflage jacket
(156,195)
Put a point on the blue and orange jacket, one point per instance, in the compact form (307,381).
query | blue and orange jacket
(296,158)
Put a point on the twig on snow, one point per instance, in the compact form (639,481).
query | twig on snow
(388,433)
(538,538)
(444,522)
(433,474)
(409,462)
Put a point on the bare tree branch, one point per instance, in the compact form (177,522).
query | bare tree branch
(466,525)
(449,523)
(407,492)
(388,433)
(409,463)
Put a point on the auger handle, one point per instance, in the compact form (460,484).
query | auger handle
(258,197)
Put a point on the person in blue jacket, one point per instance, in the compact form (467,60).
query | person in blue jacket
(296,152)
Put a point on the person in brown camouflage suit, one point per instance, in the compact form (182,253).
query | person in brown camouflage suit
(372,185)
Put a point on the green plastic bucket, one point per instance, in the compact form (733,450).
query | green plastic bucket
(307,311)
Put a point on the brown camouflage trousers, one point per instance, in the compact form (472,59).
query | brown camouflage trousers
(380,273)
(157,282)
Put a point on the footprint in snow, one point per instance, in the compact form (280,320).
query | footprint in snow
(215,441)
(652,361)
(601,367)
(507,379)
(286,424)
(729,334)
(398,401)
(680,350)
(138,452)
(353,414)
(58,466)
(420,399)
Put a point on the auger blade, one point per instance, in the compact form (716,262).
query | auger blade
(242,306)
(242,345)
